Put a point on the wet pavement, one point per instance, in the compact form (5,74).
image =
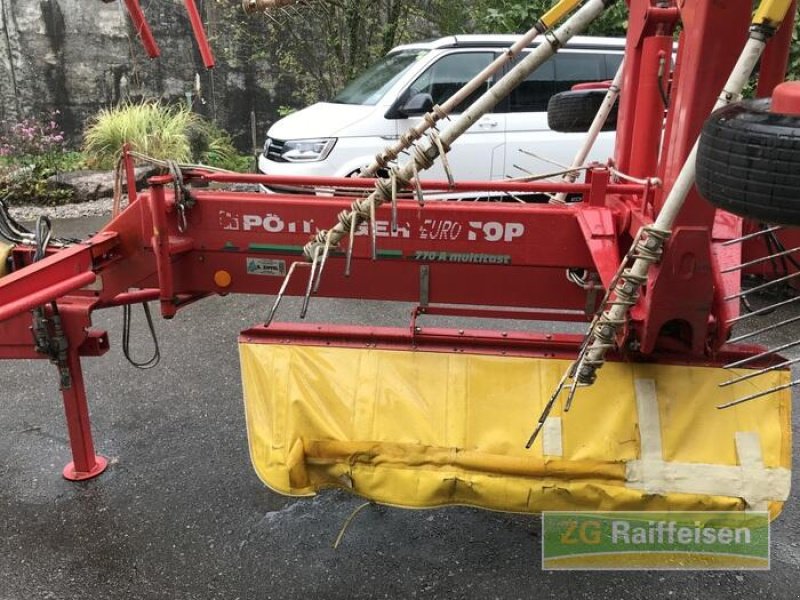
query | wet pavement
(180,513)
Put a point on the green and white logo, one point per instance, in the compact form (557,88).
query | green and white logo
(655,540)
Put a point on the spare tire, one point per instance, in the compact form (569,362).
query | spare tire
(574,111)
(748,162)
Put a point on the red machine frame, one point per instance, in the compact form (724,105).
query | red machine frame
(235,242)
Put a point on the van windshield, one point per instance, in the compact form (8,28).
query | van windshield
(372,84)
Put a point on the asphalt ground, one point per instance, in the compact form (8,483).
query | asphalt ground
(180,513)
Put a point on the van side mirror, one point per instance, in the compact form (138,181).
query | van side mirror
(418,104)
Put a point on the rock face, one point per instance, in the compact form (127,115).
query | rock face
(78,56)
(93,185)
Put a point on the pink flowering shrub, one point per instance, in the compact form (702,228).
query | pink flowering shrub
(32,141)
(32,150)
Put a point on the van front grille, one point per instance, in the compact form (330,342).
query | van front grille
(275,150)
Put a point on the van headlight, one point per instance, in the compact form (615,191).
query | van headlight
(307,150)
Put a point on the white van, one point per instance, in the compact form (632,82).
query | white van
(339,137)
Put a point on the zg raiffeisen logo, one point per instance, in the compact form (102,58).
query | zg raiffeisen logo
(655,540)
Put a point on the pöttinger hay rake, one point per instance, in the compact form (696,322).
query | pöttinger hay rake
(681,415)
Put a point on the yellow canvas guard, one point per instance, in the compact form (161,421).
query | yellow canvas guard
(425,429)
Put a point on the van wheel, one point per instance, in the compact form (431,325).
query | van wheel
(748,160)
(574,111)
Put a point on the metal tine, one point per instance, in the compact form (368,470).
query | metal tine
(307,297)
(762,286)
(542,158)
(759,260)
(750,236)
(282,290)
(759,394)
(348,259)
(571,396)
(573,368)
(547,408)
(325,254)
(526,171)
(761,311)
(753,374)
(750,334)
(766,353)
(568,374)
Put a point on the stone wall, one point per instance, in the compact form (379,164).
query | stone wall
(77,56)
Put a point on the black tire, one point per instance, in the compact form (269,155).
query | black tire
(748,162)
(574,111)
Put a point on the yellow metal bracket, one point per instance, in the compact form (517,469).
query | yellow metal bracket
(557,12)
(5,252)
(771,12)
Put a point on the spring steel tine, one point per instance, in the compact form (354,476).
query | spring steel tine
(546,412)
(761,311)
(750,236)
(750,334)
(568,374)
(325,253)
(542,158)
(348,259)
(762,286)
(572,371)
(759,260)
(760,394)
(571,395)
(518,168)
(760,372)
(282,290)
(307,297)
(750,359)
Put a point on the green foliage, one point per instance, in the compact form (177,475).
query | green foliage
(29,186)
(159,131)
(516,16)
(149,127)
(316,49)
(794,52)
(210,145)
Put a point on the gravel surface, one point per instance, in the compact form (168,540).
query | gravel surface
(93,208)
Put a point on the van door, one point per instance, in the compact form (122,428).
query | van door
(479,153)
(531,147)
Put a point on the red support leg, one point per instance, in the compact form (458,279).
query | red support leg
(200,34)
(85,463)
(142,28)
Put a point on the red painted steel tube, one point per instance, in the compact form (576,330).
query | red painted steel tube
(441,186)
(85,463)
(135,297)
(509,343)
(160,242)
(200,34)
(649,114)
(142,28)
(52,292)
(500,313)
